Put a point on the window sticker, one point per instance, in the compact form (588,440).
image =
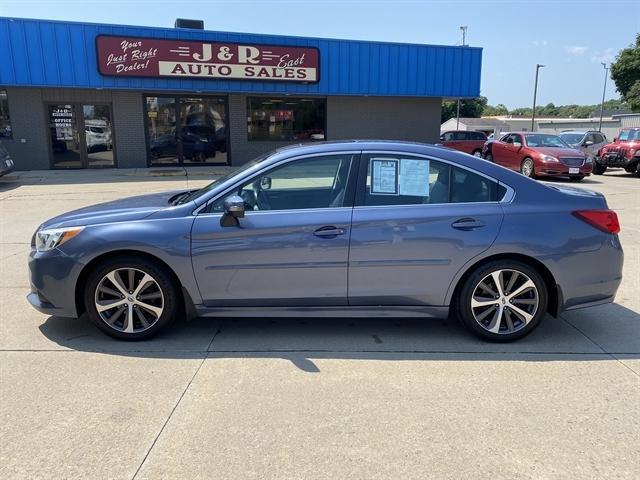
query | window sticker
(414,177)
(384,176)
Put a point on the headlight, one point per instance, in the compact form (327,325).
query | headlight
(54,237)
(588,160)
(549,158)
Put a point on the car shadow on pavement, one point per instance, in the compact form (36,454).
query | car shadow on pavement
(593,334)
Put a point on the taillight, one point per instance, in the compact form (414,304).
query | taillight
(605,220)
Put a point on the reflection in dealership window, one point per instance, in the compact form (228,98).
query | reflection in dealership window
(286,119)
(5,121)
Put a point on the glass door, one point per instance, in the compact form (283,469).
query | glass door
(65,136)
(98,135)
(161,130)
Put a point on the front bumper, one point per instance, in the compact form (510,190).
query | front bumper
(554,169)
(616,160)
(53,276)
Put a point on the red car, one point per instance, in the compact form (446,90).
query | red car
(464,141)
(538,154)
(623,152)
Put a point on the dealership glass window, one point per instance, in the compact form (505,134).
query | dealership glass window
(5,120)
(286,119)
(185,130)
(404,180)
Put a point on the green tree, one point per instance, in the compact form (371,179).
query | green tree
(491,111)
(469,108)
(625,72)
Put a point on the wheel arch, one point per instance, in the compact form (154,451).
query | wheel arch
(183,295)
(553,289)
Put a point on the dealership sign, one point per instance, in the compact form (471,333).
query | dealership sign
(151,57)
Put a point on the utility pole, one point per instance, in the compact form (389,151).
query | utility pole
(604,91)
(535,93)
(464,38)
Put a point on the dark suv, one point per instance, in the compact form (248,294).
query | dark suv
(623,152)
(464,141)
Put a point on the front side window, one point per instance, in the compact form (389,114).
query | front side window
(5,119)
(314,182)
(286,119)
(406,180)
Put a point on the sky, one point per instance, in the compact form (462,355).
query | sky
(571,37)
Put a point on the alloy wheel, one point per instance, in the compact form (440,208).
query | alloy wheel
(505,301)
(527,168)
(129,300)
(477,153)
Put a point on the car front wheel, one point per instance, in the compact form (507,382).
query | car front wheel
(502,301)
(527,168)
(488,157)
(130,298)
(599,169)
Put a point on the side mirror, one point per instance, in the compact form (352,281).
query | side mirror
(615,139)
(588,143)
(233,210)
(265,183)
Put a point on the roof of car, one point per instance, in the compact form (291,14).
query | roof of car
(580,132)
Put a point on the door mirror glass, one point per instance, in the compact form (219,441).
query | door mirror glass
(517,144)
(234,206)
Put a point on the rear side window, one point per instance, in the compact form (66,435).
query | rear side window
(407,180)
(477,136)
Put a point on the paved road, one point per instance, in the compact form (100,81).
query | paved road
(307,398)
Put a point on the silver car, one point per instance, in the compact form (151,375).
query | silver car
(588,142)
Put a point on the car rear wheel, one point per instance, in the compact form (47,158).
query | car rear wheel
(477,153)
(130,298)
(527,168)
(502,301)
(599,169)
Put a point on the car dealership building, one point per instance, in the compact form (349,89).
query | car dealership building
(84,95)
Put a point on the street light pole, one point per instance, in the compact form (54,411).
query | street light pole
(464,36)
(604,91)
(535,93)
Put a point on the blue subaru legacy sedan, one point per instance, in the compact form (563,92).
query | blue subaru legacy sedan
(358,228)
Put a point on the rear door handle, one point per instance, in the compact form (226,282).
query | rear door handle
(467,224)
(329,231)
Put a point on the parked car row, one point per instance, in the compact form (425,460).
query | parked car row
(573,154)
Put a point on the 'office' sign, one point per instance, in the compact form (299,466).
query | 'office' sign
(152,57)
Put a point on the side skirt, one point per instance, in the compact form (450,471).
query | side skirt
(356,311)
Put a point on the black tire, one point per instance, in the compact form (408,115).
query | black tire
(200,157)
(599,169)
(488,157)
(576,178)
(532,172)
(477,153)
(171,298)
(461,304)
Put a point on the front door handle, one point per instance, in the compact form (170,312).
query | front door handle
(329,231)
(467,224)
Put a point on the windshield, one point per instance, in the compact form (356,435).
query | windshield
(544,140)
(572,138)
(628,135)
(198,193)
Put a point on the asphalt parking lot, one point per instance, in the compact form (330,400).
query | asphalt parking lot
(306,398)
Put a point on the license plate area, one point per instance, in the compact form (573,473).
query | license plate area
(573,170)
